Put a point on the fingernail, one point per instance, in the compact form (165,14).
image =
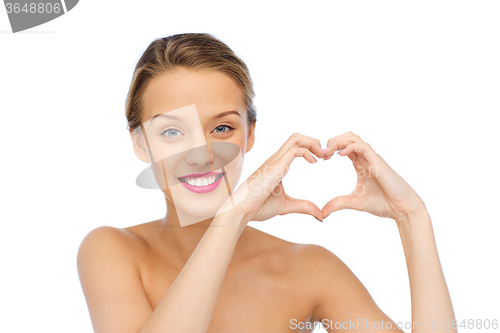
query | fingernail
(325,149)
(318,219)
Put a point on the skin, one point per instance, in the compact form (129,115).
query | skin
(160,277)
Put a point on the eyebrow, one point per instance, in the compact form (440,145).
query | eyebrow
(226,113)
(220,115)
(169,116)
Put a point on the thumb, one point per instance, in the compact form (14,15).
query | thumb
(293,205)
(338,203)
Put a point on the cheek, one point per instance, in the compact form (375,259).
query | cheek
(164,172)
(163,150)
(234,169)
(239,138)
(159,174)
(241,141)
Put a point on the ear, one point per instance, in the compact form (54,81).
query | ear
(251,136)
(140,147)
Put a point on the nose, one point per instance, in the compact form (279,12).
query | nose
(199,157)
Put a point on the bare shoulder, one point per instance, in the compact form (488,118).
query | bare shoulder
(107,232)
(310,267)
(102,242)
(309,272)
(110,244)
(107,237)
(111,280)
(305,255)
(301,263)
(318,259)
(325,272)
(335,289)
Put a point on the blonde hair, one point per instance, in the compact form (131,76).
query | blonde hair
(188,50)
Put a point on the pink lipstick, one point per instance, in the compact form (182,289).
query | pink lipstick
(201,182)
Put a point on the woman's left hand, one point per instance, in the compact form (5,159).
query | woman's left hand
(379,189)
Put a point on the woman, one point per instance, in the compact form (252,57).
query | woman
(190,273)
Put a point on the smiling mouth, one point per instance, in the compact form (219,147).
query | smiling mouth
(200,181)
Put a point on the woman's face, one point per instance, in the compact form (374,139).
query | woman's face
(195,136)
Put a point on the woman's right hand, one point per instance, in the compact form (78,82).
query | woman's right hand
(262,195)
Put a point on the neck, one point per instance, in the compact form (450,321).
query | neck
(183,240)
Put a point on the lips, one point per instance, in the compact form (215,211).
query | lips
(201,183)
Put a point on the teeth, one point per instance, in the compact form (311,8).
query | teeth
(200,181)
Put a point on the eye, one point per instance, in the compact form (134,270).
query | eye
(171,132)
(223,129)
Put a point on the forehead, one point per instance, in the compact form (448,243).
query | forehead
(211,91)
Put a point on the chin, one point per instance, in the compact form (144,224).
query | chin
(196,207)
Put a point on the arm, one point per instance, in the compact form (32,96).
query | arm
(194,292)
(343,299)
(343,302)
(382,192)
(430,299)
(111,282)
(116,298)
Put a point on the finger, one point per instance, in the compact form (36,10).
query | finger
(303,207)
(338,203)
(340,143)
(316,141)
(312,144)
(339,136)
(302,141)
(309,158)
(355,160)
(274,172)
(304,152)
(362,149)
(287,158)
(330,141)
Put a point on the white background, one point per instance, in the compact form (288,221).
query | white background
(418,81)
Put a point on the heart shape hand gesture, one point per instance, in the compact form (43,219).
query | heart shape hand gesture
(379,189)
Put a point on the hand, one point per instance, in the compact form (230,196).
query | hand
(266,195)
(379,189)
